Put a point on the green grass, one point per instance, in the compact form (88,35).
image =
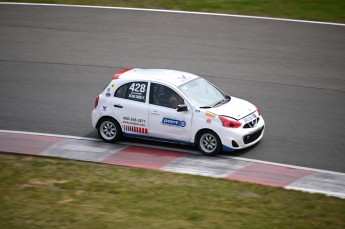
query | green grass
(317,10)
(53,193)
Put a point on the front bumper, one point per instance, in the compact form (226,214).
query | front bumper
(243,137)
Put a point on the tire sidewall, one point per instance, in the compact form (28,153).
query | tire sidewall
(118,131)
(217,149)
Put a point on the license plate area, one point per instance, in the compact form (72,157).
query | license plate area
(249,118)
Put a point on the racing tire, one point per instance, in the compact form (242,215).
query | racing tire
(109,130)
(209,143)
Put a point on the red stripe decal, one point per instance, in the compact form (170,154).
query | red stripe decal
(136,129)
(117,75)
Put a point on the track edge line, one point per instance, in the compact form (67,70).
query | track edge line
(177,11)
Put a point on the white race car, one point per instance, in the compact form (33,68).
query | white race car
(175,106)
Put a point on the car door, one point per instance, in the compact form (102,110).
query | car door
(131,108)
(165,122)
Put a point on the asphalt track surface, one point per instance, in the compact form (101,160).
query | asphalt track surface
(55,60)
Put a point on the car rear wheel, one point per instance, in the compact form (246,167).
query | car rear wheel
(209,143)
(109,130)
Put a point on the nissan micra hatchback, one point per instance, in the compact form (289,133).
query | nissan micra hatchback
(178,107)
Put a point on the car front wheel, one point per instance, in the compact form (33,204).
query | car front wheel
(209,143)
(109,130)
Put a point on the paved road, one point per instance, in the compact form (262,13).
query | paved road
(55,60)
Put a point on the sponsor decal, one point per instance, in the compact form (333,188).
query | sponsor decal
(104,108)
(210,115)
(137,91)
(208,121)
(108,89)
(112,85)
(135,129)
(136,97)
(174,122)
(107,95)
(134,121)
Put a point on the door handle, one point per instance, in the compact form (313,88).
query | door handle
(118,106)
(155,113)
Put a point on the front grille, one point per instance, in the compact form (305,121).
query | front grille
(252,123)
(252,137)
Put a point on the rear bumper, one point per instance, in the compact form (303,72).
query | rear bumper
(95,116)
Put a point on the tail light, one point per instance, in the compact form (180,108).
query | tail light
(96,101)
(229,122)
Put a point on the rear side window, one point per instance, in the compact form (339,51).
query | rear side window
(121,91)
(133,91)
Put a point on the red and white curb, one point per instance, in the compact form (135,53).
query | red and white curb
(173,160)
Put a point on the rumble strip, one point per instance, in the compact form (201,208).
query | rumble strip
(173,160)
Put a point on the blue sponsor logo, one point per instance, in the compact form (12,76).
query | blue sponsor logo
(173,122)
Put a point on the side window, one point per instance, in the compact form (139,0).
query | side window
(164,96)
(121,91)
(133,91)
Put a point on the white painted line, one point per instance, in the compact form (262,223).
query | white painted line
(176,11)
(284,165)
(49,135)
(174,149)
(309,190)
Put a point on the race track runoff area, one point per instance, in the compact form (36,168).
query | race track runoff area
(232,168)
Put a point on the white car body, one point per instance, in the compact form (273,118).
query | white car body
(131,99)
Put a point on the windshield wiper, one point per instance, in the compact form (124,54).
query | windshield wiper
(225,100)
(220,102)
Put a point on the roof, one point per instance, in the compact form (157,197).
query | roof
(174,77)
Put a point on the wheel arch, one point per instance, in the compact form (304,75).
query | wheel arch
(199,132)
(107,117)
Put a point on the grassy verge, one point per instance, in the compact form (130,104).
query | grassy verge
(53,193)
(317,10)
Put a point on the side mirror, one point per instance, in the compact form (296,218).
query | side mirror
(182,107)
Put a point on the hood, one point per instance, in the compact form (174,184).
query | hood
(236,108)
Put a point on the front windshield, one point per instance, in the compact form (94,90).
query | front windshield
(203,94)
